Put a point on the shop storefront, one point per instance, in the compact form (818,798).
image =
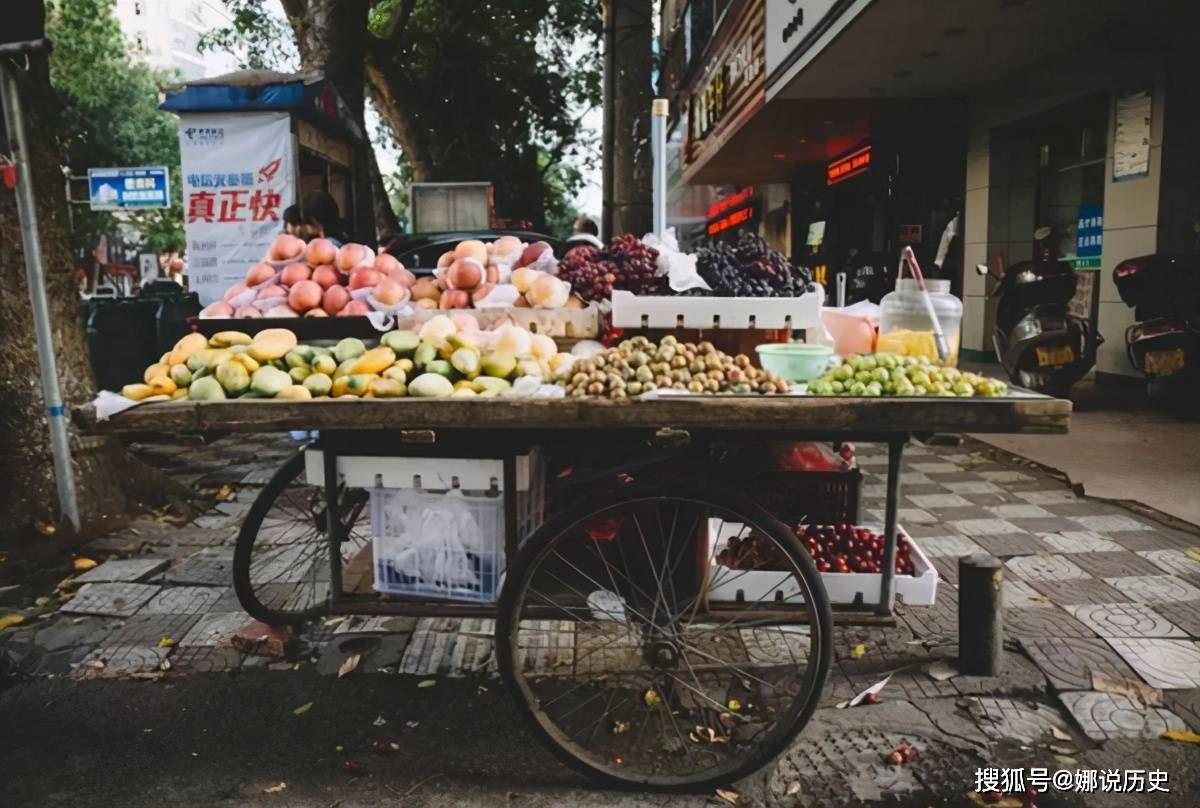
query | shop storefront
(1061,129)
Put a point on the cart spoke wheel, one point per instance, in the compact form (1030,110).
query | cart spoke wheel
(626,667)
(281,566)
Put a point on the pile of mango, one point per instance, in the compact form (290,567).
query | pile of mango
(273,364)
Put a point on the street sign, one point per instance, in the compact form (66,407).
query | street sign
(127,188)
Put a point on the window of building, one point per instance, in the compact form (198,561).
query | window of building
(141,41)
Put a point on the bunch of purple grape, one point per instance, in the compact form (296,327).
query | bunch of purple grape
(750,268)
(627,263)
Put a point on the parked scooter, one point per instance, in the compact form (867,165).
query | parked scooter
(1040,344)
(1164,343)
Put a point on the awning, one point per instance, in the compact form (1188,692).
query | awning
(312,98)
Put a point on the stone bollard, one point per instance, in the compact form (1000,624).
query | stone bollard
(980,615)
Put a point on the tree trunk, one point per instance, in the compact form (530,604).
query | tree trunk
(109,481)
(332,38)
(410,136)
(628,165)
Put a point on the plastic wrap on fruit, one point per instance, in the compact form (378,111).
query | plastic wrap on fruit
(678,267)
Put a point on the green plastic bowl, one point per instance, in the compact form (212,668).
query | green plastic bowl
(795,361)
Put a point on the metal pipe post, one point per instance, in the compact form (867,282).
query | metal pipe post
(887,576)
(18,151)
(658,136)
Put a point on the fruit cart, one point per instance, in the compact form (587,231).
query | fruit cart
(635,657)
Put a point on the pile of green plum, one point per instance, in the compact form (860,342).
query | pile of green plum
(886,374)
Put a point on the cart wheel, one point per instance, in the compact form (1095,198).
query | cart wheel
(606,637)
(281,563)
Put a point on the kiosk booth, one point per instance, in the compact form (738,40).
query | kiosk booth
(251,144)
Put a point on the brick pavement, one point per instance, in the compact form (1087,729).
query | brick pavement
(1091,587)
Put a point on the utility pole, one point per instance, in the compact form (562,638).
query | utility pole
(628,163)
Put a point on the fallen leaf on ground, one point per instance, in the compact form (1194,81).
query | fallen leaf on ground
(1193,553)
(1060,734)
(1003,802)
(83,564)
(333,621)
(1181,735)
(427,683)
(303,708)
(348,665)
(941,670)
(11,620)
(858,652)
(1059,749)
(651,698)
(1065,760)
(379,721)
(730,797)
(45,528)
(1138,692)
(42,601)
(166,642)
(275,789)
(873,690)
(793,789)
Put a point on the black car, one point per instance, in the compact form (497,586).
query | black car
(420,252)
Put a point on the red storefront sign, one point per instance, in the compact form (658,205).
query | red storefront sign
(851,165)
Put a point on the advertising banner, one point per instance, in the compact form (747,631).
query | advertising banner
(238,177)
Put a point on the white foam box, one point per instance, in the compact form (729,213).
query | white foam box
(843,588)
(680,311)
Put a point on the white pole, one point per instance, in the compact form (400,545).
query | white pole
(14,125)
(659,110)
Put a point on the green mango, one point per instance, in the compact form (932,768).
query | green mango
(424,354)
(402,342)
(206,388)
(233,377)
(268,381)
(319,384)
(349,348)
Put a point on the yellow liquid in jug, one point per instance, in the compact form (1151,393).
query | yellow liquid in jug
(917,343)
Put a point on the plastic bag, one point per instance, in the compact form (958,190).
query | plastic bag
(546,262)
(811,457)
(678,267)
(435,538)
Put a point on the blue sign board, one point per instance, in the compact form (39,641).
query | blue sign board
(125,188)
(1089,232)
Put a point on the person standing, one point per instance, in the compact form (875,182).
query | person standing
(586,232)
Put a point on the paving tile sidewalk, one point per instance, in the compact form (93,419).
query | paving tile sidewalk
(1091,588)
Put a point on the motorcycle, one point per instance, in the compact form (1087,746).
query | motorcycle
(1039,343)
(1164,343)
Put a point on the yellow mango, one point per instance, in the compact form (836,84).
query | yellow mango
(137,391)
(386,388)
(294,392)
(187,346)
(224,339)
(396,373)
(246,361)
(359,383)
(375,360)
(157,369)
(272,343)
(179,394)
(324,364)
(162,386)
(216,357)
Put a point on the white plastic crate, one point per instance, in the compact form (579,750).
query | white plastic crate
(443,545)
(843,588)
(681,311)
